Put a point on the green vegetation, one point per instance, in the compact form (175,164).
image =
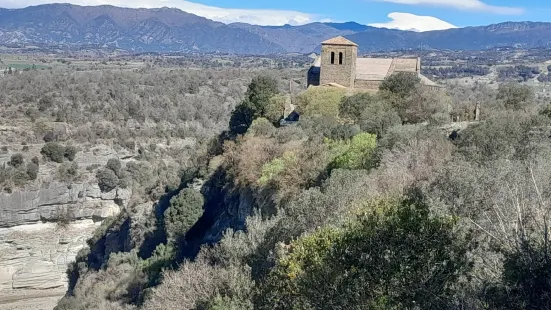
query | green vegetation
(53,151)
(356,154)
(367,202)
(320,101)
(184,211)
(381,260)
(107,180)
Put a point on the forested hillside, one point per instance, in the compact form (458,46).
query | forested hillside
(370,201)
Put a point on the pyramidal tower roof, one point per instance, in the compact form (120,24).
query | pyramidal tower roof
(339,41)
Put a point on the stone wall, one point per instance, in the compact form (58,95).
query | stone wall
(343,74)
(368,85)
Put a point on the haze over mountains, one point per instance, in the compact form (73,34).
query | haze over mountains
(168,30)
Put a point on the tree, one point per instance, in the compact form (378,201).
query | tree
(54,152)
(17,160)
(525,278)
(107,180)
(257,98)
(185,210)
(426,105)
(395,255)
(320,101)
(70,153)
(378,117)
(357,153)
(515,96)
(401,84)
(32,171)
(352,107)
(260,91)
(114,165)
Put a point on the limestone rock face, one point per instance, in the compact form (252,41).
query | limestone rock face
(34,248)
(36,256)
(76,201)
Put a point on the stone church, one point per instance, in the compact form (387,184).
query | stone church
(339,65)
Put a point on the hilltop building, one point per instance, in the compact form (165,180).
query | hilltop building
(339,65)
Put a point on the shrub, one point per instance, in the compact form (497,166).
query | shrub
(17,160)
(114,165)
(424,257)
(378,117)
(68,172)
(107,180)
(516,97)
(320,101)
(353,106)
(276,166)
(35,160)
(32,171)
(275,108)
(70,153)
(19,178)
(49,137)
(525,278)
(53,151)
(401,84)
(357,153)
(185,210)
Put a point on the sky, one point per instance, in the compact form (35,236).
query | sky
(419,15)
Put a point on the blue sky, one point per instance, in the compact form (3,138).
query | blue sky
(372,11)
(420,15)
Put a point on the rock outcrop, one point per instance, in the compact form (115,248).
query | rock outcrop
(34,247)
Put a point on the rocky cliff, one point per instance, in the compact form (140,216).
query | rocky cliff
(34,247)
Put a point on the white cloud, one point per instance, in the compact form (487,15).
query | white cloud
(466,5)
(257,17)
(407,21)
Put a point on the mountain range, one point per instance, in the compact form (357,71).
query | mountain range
(173,30)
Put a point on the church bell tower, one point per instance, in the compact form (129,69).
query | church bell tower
(338,62)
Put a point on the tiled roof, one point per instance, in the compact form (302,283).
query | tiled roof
(339,41)
(426,81)
(372,69)
(376,69)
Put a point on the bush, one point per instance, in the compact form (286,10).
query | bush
(185,210)
(357,153)
(32,171)
(19,178)
(68,172)
(352,107)
(35,160)
(114,165)
(320,101)
(49,137)
(107,180)
(424,257)
(401,84)
(53,151)
(378,117)
(516,97)
(70,153)
(17,160)
(525,278)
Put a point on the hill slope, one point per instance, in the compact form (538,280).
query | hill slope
(168,29)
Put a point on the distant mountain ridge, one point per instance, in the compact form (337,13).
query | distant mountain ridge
(170,30)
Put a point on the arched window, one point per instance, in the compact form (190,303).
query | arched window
(341,58)
(332,58)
